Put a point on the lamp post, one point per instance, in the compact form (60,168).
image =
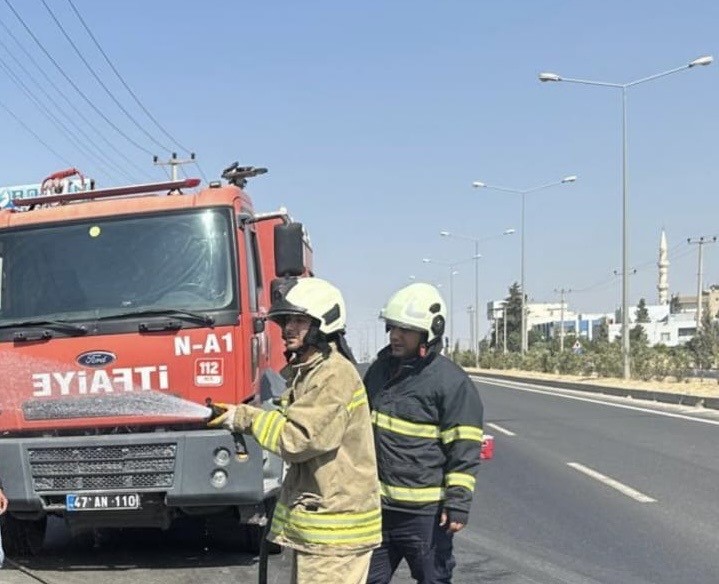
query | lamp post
(524,193)
(476,257)
(544,77)
(472,320)
(450,307)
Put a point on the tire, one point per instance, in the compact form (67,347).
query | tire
(23,538)
(227,533)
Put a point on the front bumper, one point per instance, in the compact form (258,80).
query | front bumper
(177,467)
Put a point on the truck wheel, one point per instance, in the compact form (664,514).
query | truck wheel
(229,534)
(253,538)
(23,538)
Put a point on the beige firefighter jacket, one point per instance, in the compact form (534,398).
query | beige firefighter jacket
(329,503)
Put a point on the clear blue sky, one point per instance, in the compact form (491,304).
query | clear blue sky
(375,117)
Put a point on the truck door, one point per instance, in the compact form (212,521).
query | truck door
(253,320)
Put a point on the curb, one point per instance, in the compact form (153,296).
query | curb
(642,394)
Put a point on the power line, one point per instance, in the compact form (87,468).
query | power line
(30,130)
(604,282)
(130,91)
(93,153)
(122,80)
(74,107)
(652,263)
(57,122)
(87,100)
(601,283)
(100,82)
(202,173)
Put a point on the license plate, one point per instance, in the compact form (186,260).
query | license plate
(102,502)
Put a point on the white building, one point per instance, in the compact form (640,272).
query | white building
(663,327)
(584,325)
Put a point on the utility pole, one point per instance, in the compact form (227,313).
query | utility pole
(472,341)
(173,163)
(504,323)
(701,242)
(496,328)
(562,293)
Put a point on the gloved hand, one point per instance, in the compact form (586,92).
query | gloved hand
(453,520)
(233,418)
(224,416)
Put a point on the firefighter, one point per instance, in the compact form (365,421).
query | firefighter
(3,508)
(328,510)
(427,418)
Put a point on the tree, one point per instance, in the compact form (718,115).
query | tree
(638,336)
(602,334)
(704,346)
(674,304)
(513,314)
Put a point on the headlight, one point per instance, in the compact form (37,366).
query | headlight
(218,479)
(222,457)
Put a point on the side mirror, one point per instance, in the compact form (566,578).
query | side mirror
(289,250)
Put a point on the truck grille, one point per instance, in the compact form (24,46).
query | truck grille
(136,466)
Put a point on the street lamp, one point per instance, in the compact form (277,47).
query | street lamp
(477,256)
(544,77)
(450,308)
(523,193)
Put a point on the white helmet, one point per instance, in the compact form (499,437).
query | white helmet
(417,307)
(311,297)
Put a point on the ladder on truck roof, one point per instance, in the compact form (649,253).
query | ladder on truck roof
(139,189)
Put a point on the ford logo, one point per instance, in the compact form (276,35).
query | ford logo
(96,358)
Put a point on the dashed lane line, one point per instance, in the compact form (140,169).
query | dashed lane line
(501,430)
(563,393)
(610,482)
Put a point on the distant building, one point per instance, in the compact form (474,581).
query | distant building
(584,325)
(546,319)
(688,304)
(663,327)
(672,321)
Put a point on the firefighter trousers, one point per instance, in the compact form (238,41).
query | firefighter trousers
(420,540)
(316,569)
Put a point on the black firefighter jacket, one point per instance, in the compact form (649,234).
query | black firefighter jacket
(427,418)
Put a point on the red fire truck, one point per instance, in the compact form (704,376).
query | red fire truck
(124,312)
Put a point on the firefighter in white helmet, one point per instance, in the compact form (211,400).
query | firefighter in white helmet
(427,418)
(329,508)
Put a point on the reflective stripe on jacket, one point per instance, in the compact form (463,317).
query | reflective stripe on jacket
(427,417)
(329,503)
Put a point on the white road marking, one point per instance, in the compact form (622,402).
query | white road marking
(610,482)
(534,389)
(501,430)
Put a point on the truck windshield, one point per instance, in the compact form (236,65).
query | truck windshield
(90,269)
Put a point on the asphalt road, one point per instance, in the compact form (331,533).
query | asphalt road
(551,516)
(536,519)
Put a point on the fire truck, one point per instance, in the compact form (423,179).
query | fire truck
(124,313)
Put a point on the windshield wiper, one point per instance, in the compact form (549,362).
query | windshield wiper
(205,319)
(58,325)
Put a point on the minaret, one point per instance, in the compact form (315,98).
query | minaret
(663,264)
